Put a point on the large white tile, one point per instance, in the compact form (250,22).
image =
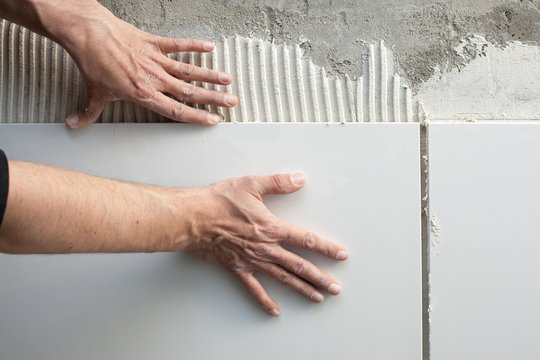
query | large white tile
(362,191)
(485,268)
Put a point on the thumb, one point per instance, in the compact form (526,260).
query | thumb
(280,184)
(87,115)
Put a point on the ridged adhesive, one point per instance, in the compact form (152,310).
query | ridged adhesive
(40,83)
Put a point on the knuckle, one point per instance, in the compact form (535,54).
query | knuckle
(244,244)
(143,90)
(169,44)
(257,231)
(187,92)
(263,250)
(284,277)
(233,267)
(308,241)
(233,264)
(87,112)
(251,181)
(178,111)
(323,282)
(278,181)
(186,70)
(272,231)
(230,266)
(299,266)
(158,44)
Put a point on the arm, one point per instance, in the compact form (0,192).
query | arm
(52,210)
(121,62)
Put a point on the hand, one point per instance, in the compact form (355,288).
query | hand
(233,228)
(121,62)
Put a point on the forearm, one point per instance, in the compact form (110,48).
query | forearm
(52,210)
(64,21)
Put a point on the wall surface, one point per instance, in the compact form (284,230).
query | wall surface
(347,61)
(465,51)
(429,38)
(423,33)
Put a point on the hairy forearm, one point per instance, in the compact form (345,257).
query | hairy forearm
(53,210)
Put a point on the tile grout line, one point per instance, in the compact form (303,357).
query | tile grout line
(424,209)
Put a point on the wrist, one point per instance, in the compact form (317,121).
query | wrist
(184,208)
(70,23)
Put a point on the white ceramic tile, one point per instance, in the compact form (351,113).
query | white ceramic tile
(485,268)
(362,191)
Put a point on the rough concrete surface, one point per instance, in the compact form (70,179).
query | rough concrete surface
(422,33)
(499,83)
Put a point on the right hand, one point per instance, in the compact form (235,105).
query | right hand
(231,227)
(120,62)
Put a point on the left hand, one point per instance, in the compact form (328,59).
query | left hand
(231,227)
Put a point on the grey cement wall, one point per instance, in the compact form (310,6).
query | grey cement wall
(464,60)
(422,33)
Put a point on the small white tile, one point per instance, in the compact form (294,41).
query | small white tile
(485,268)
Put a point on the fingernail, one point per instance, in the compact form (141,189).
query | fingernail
(224,77)
(334,289)
(342,255)
(230,100)
(274,312)
(207,45)
(317,297)
(213,118)
(298,179)
(72,121)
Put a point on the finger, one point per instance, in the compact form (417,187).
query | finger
(309,272)
(308,240)
(197,95)
(177,111)
(190,72)
(257,291)
(170,45)
(277,184)
(291,281)
(86,115)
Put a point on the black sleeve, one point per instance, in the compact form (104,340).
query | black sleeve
(4,184)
